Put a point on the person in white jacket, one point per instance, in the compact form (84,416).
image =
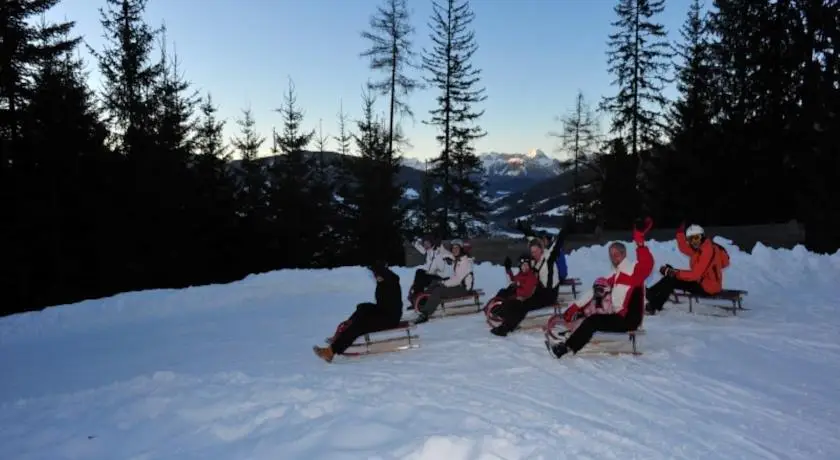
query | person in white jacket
(458,285)
(435,268)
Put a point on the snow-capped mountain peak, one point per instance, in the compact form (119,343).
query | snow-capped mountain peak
(535,164)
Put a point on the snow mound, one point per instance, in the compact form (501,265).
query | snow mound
(226,372)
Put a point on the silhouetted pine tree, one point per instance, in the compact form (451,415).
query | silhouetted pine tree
(580,139)
(299,199)
(129,80)
(638,57)
(252,197)
(391,52)
(818,127)
(688,164)
(344,138)
(374,198)
(458,168)
(24,48)
(214,221)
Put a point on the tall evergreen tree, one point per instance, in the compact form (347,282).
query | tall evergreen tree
(683,169)
(375,198)
(299,198)
(252,196)
(638,56)
(66,191)
(391,52)
(344,137)
(579,139)
(451,72)
(214,219)
(24,45)
(128,75)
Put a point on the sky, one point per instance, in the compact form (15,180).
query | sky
(535,55)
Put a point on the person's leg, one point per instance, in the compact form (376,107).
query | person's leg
(360,322)
(436,295)
(592,324)
(584,331)
(512,313)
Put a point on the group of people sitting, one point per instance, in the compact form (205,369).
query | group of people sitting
(616,303)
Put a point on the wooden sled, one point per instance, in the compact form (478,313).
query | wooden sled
(383,341)
(556,329)
(534,319)
(453,306)
(572,284)
(733,296)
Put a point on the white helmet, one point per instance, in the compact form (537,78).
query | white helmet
(694,230)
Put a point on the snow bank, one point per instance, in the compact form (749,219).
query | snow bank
(226,371)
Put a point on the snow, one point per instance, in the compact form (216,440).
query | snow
(227,372)
(411,194)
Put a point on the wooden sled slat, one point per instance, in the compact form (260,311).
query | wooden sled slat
(733,296)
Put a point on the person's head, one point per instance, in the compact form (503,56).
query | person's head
(695,236)
(379,269)
(525,262)
(428,242)
(457,247)
(600,288)
(618,252)
(536,249)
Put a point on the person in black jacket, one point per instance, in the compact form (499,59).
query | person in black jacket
(369,317)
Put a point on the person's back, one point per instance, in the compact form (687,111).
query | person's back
(388,292)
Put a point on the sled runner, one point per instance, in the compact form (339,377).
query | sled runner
(733,296)
(382,341)
(454,306)
(535,319)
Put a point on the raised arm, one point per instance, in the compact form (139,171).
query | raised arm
(418,245)
(682,244)
(644,258)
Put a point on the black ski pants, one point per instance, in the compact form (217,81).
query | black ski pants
(422,280)
(658,294)
(366,319)
(514,311)
(609,323)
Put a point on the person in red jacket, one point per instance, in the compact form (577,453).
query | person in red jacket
(627,295)
(522,286)
(707,261)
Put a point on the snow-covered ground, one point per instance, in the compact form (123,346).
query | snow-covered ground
(227,372)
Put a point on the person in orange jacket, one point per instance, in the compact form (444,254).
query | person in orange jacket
(707,260)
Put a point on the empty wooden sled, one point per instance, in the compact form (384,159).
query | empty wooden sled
(733,296)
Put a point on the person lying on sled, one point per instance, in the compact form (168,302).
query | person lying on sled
(435,268)
(707,260)
(369,317)
(460,284)
(598,301)
(547,288)
(522,285)
(626,297)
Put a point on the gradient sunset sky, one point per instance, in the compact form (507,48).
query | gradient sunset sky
(534,54)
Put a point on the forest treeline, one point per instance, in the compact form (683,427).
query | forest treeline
(133,185)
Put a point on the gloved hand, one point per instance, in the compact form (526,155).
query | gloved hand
(667,270)
(640,230)
(508,263)
(571,313)
(681,228)
(448,260)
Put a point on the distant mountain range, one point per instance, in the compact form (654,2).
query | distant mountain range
(518,185)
